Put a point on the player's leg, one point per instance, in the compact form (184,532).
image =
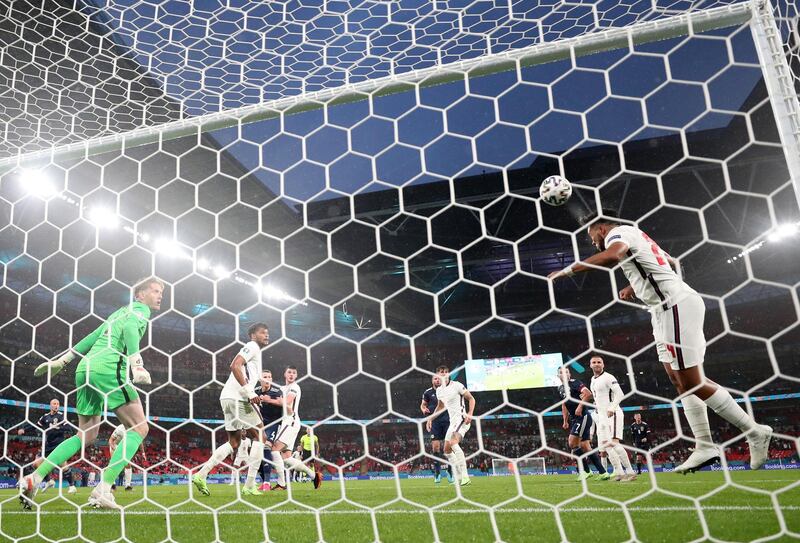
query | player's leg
(217,457)
(573,442)
(586,445)
(254,457)
(436,448)
(68,478)
(625,460)
(686,329)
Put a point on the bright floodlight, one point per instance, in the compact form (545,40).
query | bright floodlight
(221,272)
(202,264)
(102,217)
(782,232)
(168,247)
(36,183)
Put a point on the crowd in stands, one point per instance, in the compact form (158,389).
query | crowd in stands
(398,446)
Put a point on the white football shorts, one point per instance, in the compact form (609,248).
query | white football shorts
(678,332)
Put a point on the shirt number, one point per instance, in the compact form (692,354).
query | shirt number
(656,250)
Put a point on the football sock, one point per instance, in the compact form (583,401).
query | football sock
(582,466)
(266,471)
(461,461)
(277,459)
(595,459)
(123,455)
(297,465)
(696,412)
(623,456)
(254,462)
(220,454)
(723,405)
(66,450)
(437,468)
(615,461)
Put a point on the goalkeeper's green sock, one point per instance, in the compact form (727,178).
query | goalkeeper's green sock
(66,450)
(122,456)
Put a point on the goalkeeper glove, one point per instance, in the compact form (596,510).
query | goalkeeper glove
(140,375)
(54,366)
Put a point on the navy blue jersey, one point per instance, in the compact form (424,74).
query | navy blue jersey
(639,431)
(575,388)
(269,412)
(54,426)
(429,397)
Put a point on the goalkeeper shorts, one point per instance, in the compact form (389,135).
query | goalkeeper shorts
(100,391)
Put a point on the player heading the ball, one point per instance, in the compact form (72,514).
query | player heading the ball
(677,315)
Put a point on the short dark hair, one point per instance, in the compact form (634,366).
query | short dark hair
(255,327)
(144,284)
(291,367)
(596,355)
(265,370)
(442,368)
(606,216)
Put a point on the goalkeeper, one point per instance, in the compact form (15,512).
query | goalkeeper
(102,382)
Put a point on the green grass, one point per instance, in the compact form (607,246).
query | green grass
(492,508)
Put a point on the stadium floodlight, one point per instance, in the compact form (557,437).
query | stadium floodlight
(202,264)
(36,183)
(169,247)
(221,272)
(102,217)
(782,232)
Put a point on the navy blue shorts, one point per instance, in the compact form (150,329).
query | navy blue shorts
(271,430)
(439,428)
(582,427)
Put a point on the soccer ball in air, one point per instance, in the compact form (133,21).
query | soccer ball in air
(555,190)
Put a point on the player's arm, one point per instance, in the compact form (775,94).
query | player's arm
(436,412)
(131,339)
(41,424)
(82,347)
(471,409)
(616,394)
(116,438)
(579,409)
(289,402)
(237,369)
(613,255)
(423,406)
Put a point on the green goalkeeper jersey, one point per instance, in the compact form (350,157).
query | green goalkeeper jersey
(114,340)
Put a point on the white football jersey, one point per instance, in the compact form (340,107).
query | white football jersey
(294,388)
(647,268)
(251,353)
(452,396)
(606,391)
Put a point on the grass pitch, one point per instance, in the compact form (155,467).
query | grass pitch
(751,505)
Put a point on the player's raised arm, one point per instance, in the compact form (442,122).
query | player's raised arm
(608,258)
(82,347)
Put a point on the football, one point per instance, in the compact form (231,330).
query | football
(555,190)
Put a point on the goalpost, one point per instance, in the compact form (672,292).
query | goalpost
(385,220)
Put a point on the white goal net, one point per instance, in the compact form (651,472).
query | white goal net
(363,177)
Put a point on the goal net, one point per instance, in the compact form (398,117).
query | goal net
(522,466)
(363,177)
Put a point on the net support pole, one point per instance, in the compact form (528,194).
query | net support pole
(541,53)
(780,86)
